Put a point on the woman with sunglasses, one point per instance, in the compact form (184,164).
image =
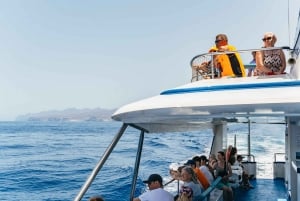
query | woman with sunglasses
(229,64)
(270,62)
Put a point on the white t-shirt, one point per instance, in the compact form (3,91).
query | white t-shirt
(158,194)
(207,173)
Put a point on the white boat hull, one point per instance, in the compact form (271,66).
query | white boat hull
(195,104)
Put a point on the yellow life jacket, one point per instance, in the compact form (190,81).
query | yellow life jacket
(229,64)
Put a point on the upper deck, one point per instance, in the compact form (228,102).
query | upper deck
(203,67)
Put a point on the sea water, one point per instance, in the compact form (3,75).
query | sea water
(51,160)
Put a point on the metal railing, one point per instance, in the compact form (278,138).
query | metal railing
(203,67)
(249,157)
(275,157)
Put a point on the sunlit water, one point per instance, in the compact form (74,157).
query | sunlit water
(51,160)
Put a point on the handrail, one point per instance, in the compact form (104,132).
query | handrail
(171,181)
(212,186)
(238,51)
(248,156)
(203,67)
(101,162)
(205,193)
(275,154)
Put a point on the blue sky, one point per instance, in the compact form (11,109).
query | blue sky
(59,54)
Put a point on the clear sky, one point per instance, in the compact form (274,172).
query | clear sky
(59,54)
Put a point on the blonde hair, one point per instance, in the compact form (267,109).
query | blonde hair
(272,35)
(190,171)
(183,197)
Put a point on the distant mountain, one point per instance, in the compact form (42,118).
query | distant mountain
(71,114)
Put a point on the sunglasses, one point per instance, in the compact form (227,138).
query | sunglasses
(216,41)
(268,38)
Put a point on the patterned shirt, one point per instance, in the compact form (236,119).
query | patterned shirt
(272,60)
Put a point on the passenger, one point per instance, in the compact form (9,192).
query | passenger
(223,169)
(202,164)
(245,176)
(270,62)
(204,168)
(212,160)
(190,180)
(175,171)
(200,175)
(228,151)
(156,191)
(236,170)
(229,64)
(96,198)
(180,169)
(253,62)
(231,154)
(197,160)
(182,196)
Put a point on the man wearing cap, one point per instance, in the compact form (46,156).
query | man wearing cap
(156,191)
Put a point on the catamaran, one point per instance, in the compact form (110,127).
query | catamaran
(216,103)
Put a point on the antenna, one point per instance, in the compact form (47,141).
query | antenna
(289,31)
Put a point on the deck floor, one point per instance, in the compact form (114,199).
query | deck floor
(264,189)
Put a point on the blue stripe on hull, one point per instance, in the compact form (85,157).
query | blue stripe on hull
(231,87)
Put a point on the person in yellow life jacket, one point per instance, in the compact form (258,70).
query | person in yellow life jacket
(229,64)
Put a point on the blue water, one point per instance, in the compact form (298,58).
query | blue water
(52,160)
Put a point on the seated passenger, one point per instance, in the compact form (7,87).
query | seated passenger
(156,191)
(245,176)
(197,160)
(212,160)
(200,176)
(223,169)
(204,168)
(175,171)
(231,154)
(253,62)
(229,64)
(270,62)
(190,180)
(236,169)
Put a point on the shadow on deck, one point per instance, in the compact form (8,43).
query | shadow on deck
(264,189)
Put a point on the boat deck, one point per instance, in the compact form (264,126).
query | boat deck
(264,189)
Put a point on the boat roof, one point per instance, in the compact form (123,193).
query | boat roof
(206,102)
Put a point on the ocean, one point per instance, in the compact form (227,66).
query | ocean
(50,161)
